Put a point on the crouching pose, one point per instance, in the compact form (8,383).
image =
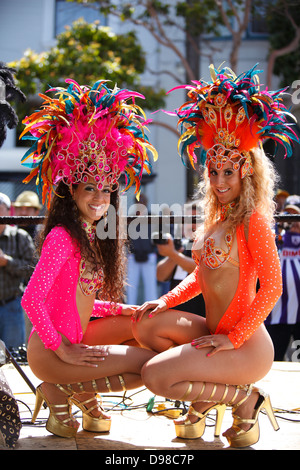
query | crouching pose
(212,362)
(84,141)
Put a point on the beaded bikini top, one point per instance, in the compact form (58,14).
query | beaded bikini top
(213,256)
(89,281)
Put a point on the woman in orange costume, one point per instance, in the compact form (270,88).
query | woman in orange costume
(212,361)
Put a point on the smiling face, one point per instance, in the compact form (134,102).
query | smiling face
(92,202)
(226,183)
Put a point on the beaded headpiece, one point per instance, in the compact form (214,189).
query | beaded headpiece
(87,132)
(229,116)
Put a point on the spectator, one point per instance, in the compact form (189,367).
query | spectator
(283,323)
(16,252)
(177,263)
(142,260)
(10,423)
(280,199)
(28,204)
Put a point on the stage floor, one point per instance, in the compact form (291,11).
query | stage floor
(133,429)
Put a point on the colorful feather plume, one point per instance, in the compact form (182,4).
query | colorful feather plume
(87,132)
(232,112)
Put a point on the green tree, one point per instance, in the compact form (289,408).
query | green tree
(85,52)
(283,20)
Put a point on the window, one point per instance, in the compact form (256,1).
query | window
(258,24)
(68,12)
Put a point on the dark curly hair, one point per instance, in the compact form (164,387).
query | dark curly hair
(108,253)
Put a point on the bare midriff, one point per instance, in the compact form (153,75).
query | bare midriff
(218,285)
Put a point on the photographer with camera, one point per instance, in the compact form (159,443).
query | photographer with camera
(177,263)
(142,260)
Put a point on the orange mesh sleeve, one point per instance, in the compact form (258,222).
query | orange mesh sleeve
(262,248)
(186,290)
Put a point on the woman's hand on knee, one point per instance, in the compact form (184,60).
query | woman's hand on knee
(81,354)
(153,307)
(128,310)
(215,342)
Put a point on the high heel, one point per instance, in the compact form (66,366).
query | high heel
(54,425)
(189,430)
(89,421)
(250,437)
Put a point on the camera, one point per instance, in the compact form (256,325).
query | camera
(160,238)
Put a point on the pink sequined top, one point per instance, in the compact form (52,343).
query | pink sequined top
(50,297)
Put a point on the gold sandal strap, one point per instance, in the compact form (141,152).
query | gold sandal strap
(189,389)
(81,387)
(67,411)
(248,389)
(201,392)
(237,390)
(212,393)
(94,385)
(192,411)
(122,382)
(69,390)
(83,404)
(224,394)
(108,384)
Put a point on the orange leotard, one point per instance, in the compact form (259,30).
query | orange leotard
(258,259)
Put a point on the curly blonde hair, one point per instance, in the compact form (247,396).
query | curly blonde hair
(257,194)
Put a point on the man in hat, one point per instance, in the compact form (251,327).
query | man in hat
(28,204)
(280,198)
(16,254)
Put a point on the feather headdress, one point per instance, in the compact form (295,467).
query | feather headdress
(229,116)
(87,132)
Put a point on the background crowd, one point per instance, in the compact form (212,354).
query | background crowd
(154,267)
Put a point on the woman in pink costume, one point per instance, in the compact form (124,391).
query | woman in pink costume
(212,361)
(84,140)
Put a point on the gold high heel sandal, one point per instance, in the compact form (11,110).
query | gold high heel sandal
(189,430)
(54,425)
(250,437)
(90,422)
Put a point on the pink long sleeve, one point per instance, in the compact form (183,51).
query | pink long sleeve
(50,297)
(43,300)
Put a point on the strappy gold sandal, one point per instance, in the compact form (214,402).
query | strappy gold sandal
(189,430)
(89,421)
(54,425)
(248,438)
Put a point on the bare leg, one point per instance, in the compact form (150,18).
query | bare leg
(121,360)
(168,329)
(185,364)
(110,330)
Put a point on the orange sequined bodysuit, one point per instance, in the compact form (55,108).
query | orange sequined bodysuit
(258,258)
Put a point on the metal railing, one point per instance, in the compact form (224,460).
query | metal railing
(150,219)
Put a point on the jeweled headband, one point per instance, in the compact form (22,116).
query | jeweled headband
(87,132)
(229,116)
